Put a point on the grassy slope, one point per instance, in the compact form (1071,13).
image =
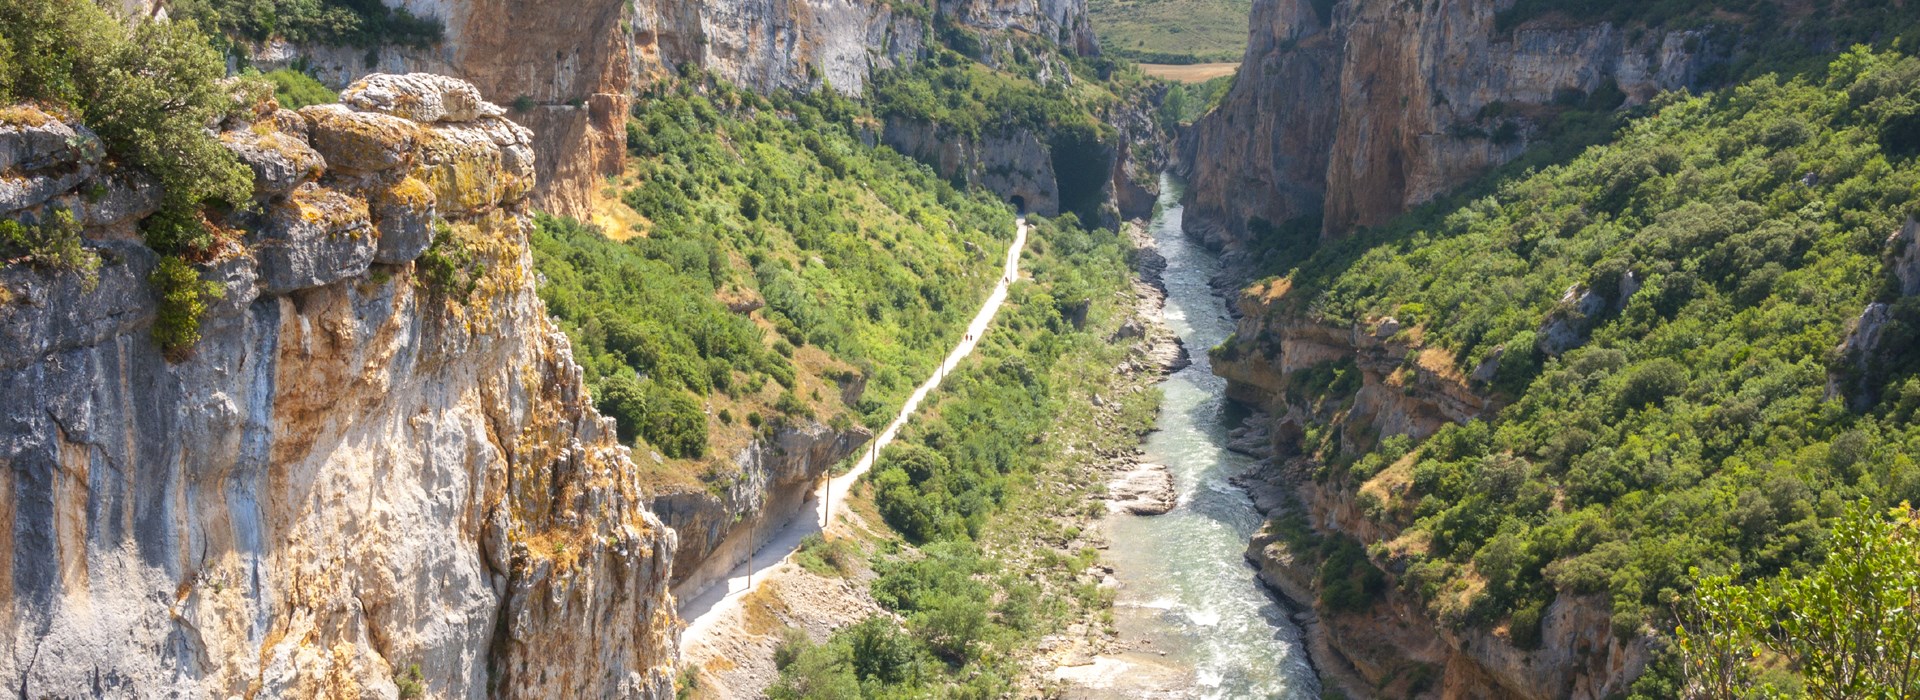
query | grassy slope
(1172,31)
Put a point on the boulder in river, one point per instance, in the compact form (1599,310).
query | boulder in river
(1146,489)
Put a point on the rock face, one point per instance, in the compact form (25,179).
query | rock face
(776,476)
(1146,489)
(1405,389)
(1015,164)
(1381,651)
(355,472)
(1355,111)
(1384,648)
(574,65)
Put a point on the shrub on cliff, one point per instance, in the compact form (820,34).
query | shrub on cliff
(149,92)
(53,244)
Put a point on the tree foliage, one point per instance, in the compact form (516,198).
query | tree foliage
(149,92)
(1847,628)
(767,200)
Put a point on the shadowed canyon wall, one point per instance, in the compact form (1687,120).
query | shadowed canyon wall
(1353,112)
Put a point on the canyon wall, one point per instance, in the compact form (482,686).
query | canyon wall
(1354,112)
(363,476)
(716,525)
(1394,646)
(569,68)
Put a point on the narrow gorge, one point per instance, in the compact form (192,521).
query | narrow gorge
(1494,349)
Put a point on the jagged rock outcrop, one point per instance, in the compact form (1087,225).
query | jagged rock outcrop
(1404,389)
(355,473)
(717,524)
(1013,163)
(569,64)
(1354,111)
(1864,357)
(1394,648)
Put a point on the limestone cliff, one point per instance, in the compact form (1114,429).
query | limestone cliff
(1016,164)
(1395,646)
(362,476)
(576,63)
(1354,112)
(715,525)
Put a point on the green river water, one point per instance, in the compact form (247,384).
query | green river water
(1186,589)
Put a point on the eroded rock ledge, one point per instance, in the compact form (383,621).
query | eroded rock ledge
(355,473)
(1394,647)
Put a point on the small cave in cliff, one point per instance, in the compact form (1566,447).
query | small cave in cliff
(1081,166)
(1019,204)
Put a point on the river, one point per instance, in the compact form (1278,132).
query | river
(1186,589)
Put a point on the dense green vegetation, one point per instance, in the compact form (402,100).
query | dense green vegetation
(1847,625)
(362,23)
(1172,31)
(1186,102)
(950,475)
(967,99)
(148,92)
(1731,240)
(294,89)
(867,264)
(965,486)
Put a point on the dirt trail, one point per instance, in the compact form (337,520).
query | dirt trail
(704,611)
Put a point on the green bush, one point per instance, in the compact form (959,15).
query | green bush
(1844,628)
(449,266)
(826,557)
(294,89)
(148,92)
(54,244)
(667,418)
(183,299)
(410,682)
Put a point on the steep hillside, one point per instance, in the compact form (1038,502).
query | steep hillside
(762,315)
(1517,421)
(1348,113)
(1051,133)
(974,535)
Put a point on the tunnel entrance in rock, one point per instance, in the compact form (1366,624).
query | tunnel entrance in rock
(1019,204)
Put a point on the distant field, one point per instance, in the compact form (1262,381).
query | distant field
(1172,31)
(1189,73)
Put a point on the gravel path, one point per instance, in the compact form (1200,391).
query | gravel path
(704,610)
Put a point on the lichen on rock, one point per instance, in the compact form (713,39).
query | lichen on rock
(349,477)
